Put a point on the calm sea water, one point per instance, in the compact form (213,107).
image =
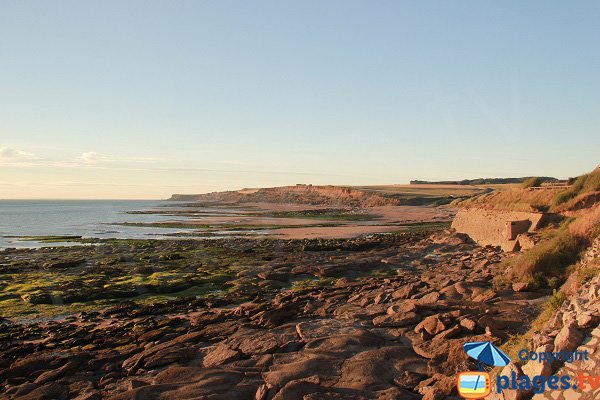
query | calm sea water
(87,218)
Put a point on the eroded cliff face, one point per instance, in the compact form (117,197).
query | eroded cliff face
(299,194)
(511,230)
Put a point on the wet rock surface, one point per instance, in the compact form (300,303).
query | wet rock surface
(380,317)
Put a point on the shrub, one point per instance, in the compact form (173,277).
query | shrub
(579,183)
(588,273)
(553,282)
(592,183)
(550,258)
(555,301)
(563,197)
(582,184)
(534,181)
(540,207)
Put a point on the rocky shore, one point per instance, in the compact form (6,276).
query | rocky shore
(377,317)
(573,327)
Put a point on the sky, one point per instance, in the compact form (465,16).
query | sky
(142,99)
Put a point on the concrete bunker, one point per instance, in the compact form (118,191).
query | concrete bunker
(511,230)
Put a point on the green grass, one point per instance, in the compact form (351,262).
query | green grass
(587,273)
(421,195)
(422,190)
(548,259)
(221,227)
(424,226)
(323,214)
(170,224)
(48,239)
(513,199)
(583,184)
(310,283)
(116,271)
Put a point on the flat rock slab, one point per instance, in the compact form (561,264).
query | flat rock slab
(376,367)
(324,328)
(397,320)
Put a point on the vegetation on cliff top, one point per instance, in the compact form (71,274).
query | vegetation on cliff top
(582,186)
(339,196)
(485,181)
(512,199)
(584,190)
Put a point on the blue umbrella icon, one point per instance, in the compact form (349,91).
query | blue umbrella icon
(486,353)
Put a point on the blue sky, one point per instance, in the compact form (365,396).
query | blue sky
(140,99)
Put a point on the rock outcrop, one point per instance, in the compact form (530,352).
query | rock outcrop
(574,327)
(391,335)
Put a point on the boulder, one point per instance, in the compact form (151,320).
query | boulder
(485,296)
(380,298)
(449,333)
(468,324)
(402,307)
(262,392)
(537,367)
(568,339)
(405,291)
(429,298)
(509,394)
(220,354)
(522,286)
(586,320)
(432,324)
(55,374)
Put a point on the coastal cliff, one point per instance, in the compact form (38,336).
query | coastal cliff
(299,194)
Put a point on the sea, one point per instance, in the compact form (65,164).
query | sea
(86,218)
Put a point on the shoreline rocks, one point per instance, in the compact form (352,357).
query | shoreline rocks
(375,331)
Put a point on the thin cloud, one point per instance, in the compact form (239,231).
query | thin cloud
(28,184)
(93,158)
(247,171)
(10,155)
(90,157)
(231,162)
(96,160)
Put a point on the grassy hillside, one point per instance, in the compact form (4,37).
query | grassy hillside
(555,257)
(584,192)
